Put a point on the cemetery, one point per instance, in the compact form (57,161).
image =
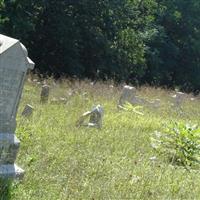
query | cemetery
(99,100)
(104,153)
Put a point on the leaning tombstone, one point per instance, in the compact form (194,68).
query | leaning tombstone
(14,63)
(44,97)
(28,111)
(95,118)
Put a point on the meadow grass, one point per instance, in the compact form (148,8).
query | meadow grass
(65,162)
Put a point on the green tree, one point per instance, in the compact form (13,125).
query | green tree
(84,38)
(174,55)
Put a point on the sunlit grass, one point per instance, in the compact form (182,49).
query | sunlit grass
(65,162)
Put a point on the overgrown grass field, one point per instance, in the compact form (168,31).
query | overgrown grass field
(116,162)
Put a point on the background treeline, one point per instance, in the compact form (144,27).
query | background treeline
(138,41)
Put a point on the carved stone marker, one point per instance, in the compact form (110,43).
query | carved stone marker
(178,99)
(44,97)
(95,118)
(14,63)
(128,95)
(28,111)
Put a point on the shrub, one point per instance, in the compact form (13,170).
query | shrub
(180,143)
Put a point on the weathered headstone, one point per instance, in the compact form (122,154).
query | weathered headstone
(178,99)
(44,97)
(155,104)
(95,118)
(61,100)
(28,111)
(128,95)
(14,63)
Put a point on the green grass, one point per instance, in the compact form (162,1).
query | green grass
(65,162)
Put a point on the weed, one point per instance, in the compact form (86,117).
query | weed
(180,143)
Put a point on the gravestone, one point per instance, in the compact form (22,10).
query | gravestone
(95,118)
(60,100)
(128,95)
(28,111)
(14,63)
(44,97)
(178,99)
(155,104)
(63,100)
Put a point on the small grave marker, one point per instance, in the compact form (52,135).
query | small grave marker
(44,97)
(129,95)
(95,118)
(28,111)
(178,99)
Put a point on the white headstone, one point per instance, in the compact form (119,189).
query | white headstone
(14,63)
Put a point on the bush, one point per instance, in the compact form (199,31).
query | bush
(180,143)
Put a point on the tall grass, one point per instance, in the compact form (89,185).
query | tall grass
(66,162)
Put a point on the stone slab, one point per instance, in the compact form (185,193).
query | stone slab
(11,171)
(14,63)
(44,96)
(28,111)
(9,146)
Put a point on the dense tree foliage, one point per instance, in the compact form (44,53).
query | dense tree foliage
(138,41)
(174,56)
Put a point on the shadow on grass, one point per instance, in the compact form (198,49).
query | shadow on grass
(5,189)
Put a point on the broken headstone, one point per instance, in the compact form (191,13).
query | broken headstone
(95,117)
(129,95)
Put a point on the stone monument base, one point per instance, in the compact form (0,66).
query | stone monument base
(11,172)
